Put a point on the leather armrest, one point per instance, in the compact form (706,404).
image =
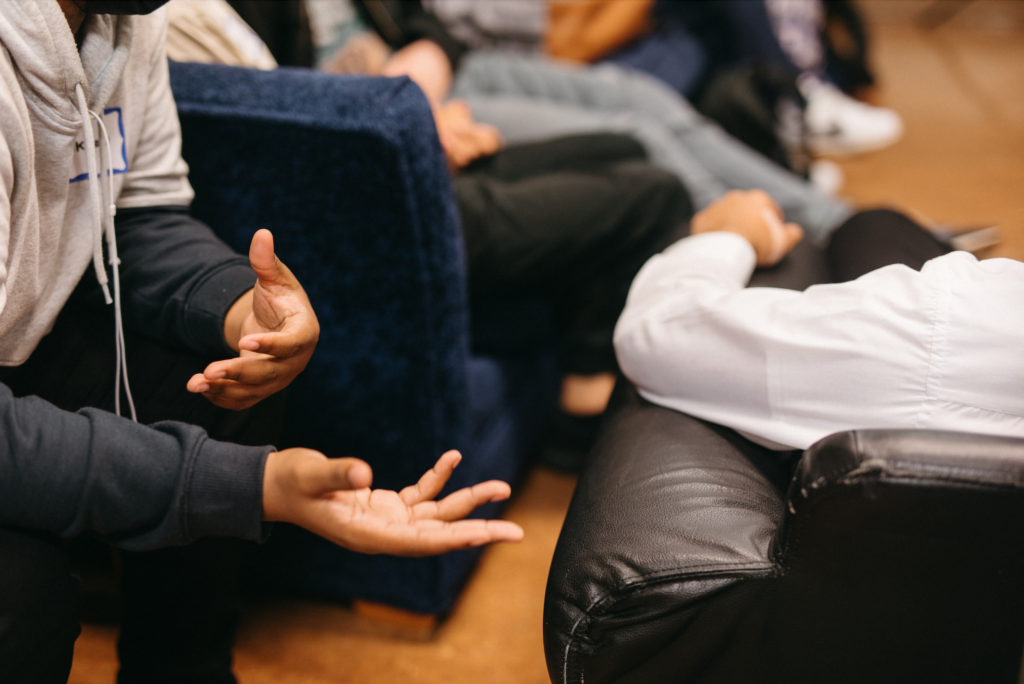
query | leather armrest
(669,509)
(894,558)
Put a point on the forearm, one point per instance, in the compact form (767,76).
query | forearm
(693,269)
(427,65)
(685,335)
(137,486)
(785,366)
(401,23)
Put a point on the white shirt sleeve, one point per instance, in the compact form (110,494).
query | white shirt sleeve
(781,366)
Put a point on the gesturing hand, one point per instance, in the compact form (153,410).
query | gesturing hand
(462,138)
(274,328)
(754,215)
(332,498)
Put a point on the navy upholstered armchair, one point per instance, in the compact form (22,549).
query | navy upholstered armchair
(348,174)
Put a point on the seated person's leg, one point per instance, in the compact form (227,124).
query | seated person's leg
(180,613)
(38,604)
(806,265)
(702,155)
(575,237)
(179,604)
(872,239)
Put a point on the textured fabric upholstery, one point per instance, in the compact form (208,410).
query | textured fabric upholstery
(348,174)
(896,556)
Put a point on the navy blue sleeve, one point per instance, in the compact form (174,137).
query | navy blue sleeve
(178,279)
(139,487)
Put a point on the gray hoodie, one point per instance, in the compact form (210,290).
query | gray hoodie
(91,470)
(49,229)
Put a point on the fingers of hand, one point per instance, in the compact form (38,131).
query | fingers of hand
(794,234)
(458,505)
(296,339)
(762,200)
(197,384)
(261,252)
(431,539)
(433,481)
(235,396)
(491,138)
(264,261)
(772,245)
(258,378)
(251,369)
(779,240)
(319,476)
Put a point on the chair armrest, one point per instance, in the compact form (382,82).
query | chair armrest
(669,510)
(897,557)
(349,175)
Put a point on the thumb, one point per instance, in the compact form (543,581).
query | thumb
(268,267)
(323,476)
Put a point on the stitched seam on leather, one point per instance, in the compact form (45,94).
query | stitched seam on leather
(646,580)
(931,474)
(666,575)
(793,539)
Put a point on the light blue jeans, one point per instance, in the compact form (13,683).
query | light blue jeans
(531,98)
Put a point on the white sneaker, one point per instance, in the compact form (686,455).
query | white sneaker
(838,125)
(826,177)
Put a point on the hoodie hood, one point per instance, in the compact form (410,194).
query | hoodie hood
(49,64)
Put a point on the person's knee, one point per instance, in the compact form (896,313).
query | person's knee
(869,225)
(880,237)
(38,606)
(663,201)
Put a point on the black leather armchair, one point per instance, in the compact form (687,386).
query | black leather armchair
(896,556)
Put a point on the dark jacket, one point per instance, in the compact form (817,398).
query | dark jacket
(137,486)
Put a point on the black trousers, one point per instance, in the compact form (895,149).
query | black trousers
(180,612)
(569,221)
(867,241)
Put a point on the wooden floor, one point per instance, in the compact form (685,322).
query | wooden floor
(960,90)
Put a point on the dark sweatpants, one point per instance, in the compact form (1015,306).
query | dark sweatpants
(569,221)
(179,603)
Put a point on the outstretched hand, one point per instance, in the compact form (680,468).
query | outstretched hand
(332,498)
(272,326)
(754,215)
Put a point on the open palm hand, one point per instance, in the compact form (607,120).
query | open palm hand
(333,498)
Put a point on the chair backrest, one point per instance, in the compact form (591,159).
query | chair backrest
(907,547)
(348,174)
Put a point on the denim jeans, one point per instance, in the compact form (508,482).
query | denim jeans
(530,98)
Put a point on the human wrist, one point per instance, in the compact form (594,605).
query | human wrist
(273,497)
(235,317)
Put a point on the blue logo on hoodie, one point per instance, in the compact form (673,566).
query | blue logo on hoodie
(115,129)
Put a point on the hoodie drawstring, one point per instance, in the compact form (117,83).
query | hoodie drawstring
(95,192)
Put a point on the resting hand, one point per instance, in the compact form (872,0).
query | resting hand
(754,215)
(274,328)
(332,498)
(462,138)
